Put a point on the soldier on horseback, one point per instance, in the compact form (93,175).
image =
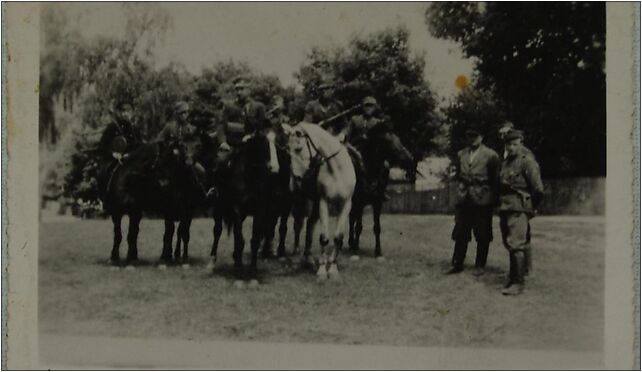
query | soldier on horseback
(177,132)
(239,120)
(326,107)
(119,138)
(356,134)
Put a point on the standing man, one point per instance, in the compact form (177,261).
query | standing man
(520,192)
(503,131)
(477,171)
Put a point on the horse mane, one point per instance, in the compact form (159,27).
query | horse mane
(328,143)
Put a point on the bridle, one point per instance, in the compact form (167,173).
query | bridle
(316,160)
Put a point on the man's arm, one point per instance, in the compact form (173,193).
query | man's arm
(534,180)
(104,145)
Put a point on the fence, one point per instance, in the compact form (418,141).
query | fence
(570,196)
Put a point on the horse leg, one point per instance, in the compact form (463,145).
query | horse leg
(118,238)
(269,225)
(217,230)
(179,240)
(283,231)
(188,222)
(322,272)
(166,256)
(299,217)
(239,244)
(309,231)
(356,214)
(376,217)
(258,227)
(132,235)
(333,271)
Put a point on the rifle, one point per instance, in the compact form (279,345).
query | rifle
(325,122)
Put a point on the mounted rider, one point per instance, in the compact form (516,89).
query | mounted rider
(120,136)
(356,134)
(326,107)
(118,140)
(177,132)
(239,119)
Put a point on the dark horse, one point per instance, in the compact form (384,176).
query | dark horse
(155,178)
(378,149)
(247,186)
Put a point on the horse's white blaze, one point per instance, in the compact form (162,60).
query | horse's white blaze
(273,164)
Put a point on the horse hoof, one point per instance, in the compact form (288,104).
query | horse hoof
(162,267)
(185,266)
(129,268)
(354,257)
(114,268)
(333,272)
(238,284)
(253,283)
(322,273)
(381,259)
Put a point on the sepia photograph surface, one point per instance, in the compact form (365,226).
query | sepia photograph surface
(322,185)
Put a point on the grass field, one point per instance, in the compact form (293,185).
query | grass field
(405,300)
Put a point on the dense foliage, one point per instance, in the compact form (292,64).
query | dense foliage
(543,67)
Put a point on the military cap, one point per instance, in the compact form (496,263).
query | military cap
(121,103)
(505,127)
(326,85)
(369,101)
(472,131)
(241,82)
(513,134)
(181,106)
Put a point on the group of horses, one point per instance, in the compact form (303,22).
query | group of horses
(297,170)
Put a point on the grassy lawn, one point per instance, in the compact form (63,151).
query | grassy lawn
(403,301)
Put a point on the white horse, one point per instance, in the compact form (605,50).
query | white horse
(322,166)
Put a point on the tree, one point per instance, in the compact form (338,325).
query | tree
(380,65)
(545,65)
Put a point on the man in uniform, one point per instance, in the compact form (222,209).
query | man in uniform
(477,171)
(119,138)
(240,118)
(277,118)
(503,130)
(520,192)
(356,133)
(324,108)
(177,131)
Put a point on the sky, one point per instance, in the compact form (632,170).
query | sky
(274,37)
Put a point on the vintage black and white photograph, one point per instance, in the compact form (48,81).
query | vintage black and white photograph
(414,175)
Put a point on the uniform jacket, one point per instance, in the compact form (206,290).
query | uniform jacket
(316,112)
(524,149)
(520,184)
(238,120)
(359,126)
(119,128)
(477,180)
(175,132)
